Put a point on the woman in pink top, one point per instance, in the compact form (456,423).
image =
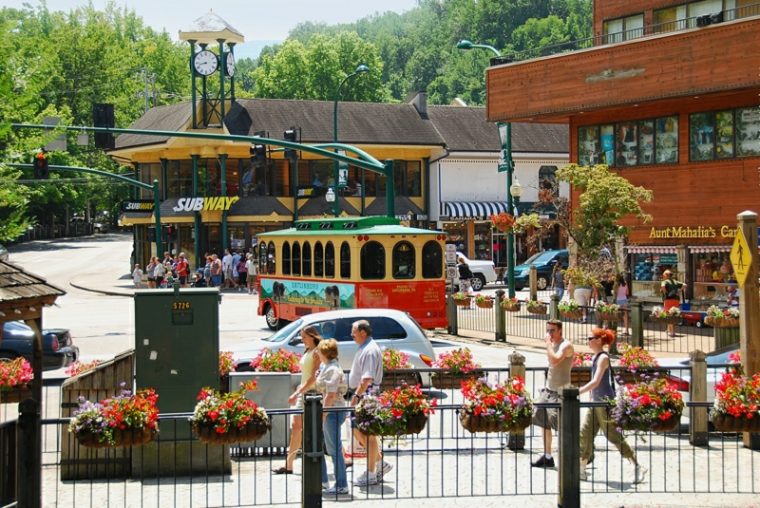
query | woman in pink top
(621,298)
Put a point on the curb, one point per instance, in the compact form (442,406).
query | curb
(100,291)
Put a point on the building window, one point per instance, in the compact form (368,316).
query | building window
(407,178)
(748,132)
(432,261)
(724,134)
(373,261)
(345,261)
(623,29)
(403,261)
(629,144)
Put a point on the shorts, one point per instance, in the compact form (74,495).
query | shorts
(583,296)
(547,418)
(670,303)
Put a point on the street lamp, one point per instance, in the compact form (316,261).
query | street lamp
(359,70)
(507,166)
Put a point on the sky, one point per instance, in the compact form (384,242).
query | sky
(257,20)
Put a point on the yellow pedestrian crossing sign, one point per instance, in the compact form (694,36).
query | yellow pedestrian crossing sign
(741,257)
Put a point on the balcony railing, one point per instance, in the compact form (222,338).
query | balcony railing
(638,33)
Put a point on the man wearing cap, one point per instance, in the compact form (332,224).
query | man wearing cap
(671,295)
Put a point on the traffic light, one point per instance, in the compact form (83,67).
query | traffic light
(259,154)
(292,136)
(41,171)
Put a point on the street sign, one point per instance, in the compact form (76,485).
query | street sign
(741,257)
(342,172)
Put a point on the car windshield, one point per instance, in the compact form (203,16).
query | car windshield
(540,258)
(285,332)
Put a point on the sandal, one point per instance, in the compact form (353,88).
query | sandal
(282,470)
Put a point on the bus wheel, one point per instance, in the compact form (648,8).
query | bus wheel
(273,322)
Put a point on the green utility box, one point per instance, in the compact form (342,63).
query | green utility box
(177,354)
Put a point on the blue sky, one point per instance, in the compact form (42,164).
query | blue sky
(257,20)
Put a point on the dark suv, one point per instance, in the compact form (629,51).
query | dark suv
(544,263)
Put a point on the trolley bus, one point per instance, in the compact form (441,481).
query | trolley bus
(352,262)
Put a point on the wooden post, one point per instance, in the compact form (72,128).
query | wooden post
(554,307)
(313,442)
(500,318)
(516,368)
(29,478)
(451,314)
(749,310)
(698,393)
(637,324)
(569,450)
(533,278)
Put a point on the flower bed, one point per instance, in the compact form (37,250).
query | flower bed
(504,407)
(737,401)
(123,420)
(277,361)
(221,418)
(511,305)
(535,307)
(403,410)
(649,406)
(722,318)
(459,366)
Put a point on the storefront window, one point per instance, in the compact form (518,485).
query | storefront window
(483,240)
(748,131)
(701,136)
(666,140)
(456,234)
(407,177)
(627,144)
(713,277)
(589,151)
(724,134)
(237,237)
(607,136)
(647,273)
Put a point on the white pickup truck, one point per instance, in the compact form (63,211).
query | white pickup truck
(483,272)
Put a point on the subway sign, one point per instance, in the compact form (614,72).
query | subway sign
(220,203)
(143,205)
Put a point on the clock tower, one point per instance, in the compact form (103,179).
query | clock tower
(212,64)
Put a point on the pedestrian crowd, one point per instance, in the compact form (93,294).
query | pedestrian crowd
(235,270)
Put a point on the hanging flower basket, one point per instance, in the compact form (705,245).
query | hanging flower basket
(511,305)
(15,394)
(394,378)
(726,423)
(403,410)
(537,308)
(254,430)
(648,406)
(668,425)
(504,407)
(448,380)
(722,322)
(474,423)
(463,302)
(610,317)
(122,438)
(484,302)
(572,314)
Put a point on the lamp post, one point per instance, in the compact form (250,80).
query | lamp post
(507,166)
(359,70)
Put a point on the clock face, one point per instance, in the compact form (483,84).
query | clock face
(205,62)
(229,60)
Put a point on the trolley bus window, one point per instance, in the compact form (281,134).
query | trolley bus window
(263,258)
(296,258)
(319,267)
(329,260)
(306,258)
(345,261)
(373,261)
(285,259)
(432,261)
(403,260)
(271,263)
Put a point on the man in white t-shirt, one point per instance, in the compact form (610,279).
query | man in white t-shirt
(367,371)
(227,269)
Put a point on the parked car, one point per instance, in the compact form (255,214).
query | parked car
(483,272)
(58,349)
(390,328)
(3,253)
(544,263)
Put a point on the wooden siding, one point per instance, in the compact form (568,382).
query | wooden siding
(688,63)
(613,9)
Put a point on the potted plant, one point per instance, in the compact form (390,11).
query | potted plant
(403,410)
(226,365)
(484,301)
(580,277)
(638,364)
(671,316)
(15,376)
(459,366)
(580,374)
(126,419)
(737,400)
(503,222)
(78,367)
(535,307)
(397,370)
(280,360)
(722,318)
(504,407)
(461,299)
(511,304)
(221,418)
(654,405)
(570,309)
(607,312)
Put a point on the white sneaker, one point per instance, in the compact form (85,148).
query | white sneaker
(639,474)
(366,479)
(382,469)
(335,491)
(325,485)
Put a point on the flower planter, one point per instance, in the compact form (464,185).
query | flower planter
(448,380)
(394,378)
(121,437)
(477,423)
(414,425)
(727,423)
(668,425)
(253,431)
(722,322)
(15,394)
(636,376)
(484,304)
(537,309)
(463,302)
(511,306)
(579,376)
(610,317)
(571,314)
(673,320)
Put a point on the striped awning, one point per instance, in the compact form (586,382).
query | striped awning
(699,249)
(650,249)
(472,209)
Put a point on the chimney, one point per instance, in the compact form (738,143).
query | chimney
(419,101)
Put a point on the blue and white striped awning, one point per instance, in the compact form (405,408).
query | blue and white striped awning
(472,209)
